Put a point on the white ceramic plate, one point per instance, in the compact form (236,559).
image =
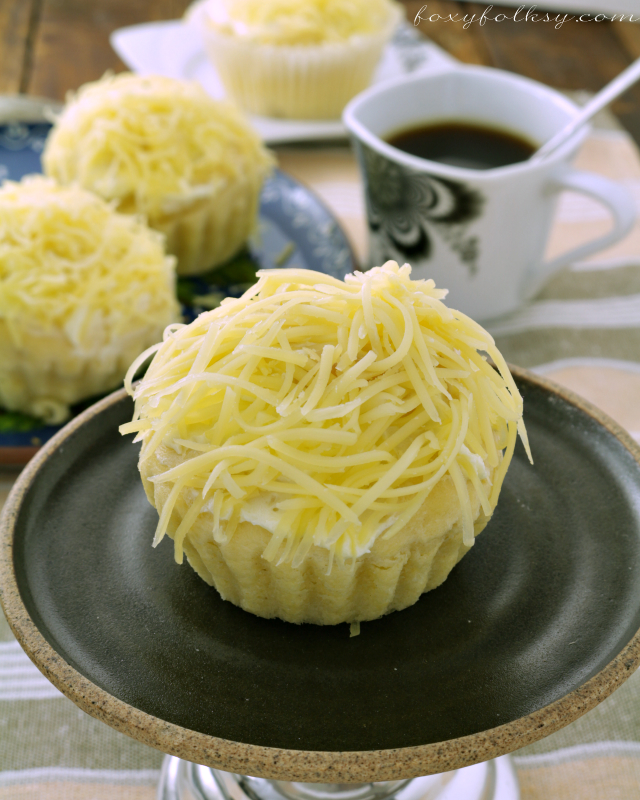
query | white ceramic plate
(174,49)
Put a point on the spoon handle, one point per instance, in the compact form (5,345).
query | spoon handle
(623,81)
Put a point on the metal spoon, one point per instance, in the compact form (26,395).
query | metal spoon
(616,87)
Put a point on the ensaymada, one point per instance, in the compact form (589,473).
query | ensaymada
(298,60)
(326,451)
(163,148)
(83,291)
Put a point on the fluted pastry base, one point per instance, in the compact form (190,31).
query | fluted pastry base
(209,231)
(47,373)
(390,577)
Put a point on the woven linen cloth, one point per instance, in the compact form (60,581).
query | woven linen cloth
(583,331)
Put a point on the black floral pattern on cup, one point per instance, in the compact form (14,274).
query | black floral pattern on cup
(405,208)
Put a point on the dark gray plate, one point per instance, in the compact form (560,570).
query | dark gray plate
(536,624)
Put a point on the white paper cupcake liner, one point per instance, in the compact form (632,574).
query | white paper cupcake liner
(210,230)
(389,577)
(47,374)
(295,82)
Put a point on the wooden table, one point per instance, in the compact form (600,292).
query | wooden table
(50,46)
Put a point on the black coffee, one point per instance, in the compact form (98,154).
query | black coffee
(463,145)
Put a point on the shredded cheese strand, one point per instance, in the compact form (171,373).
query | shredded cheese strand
(83,289)
(334,407)
(166,142)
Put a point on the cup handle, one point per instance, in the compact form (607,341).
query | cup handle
(613,195)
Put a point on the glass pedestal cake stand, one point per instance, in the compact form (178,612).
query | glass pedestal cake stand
(489,780)
(534,627)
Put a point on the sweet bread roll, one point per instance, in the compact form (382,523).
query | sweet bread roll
(162,148)
(83,291)
(326,451)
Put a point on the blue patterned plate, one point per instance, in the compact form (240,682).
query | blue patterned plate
(295,230)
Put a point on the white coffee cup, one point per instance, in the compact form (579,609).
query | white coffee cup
(479,233)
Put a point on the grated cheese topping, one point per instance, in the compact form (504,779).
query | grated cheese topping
(290,22)
(67,258)
(326,410)
(152,144)
(74,273)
